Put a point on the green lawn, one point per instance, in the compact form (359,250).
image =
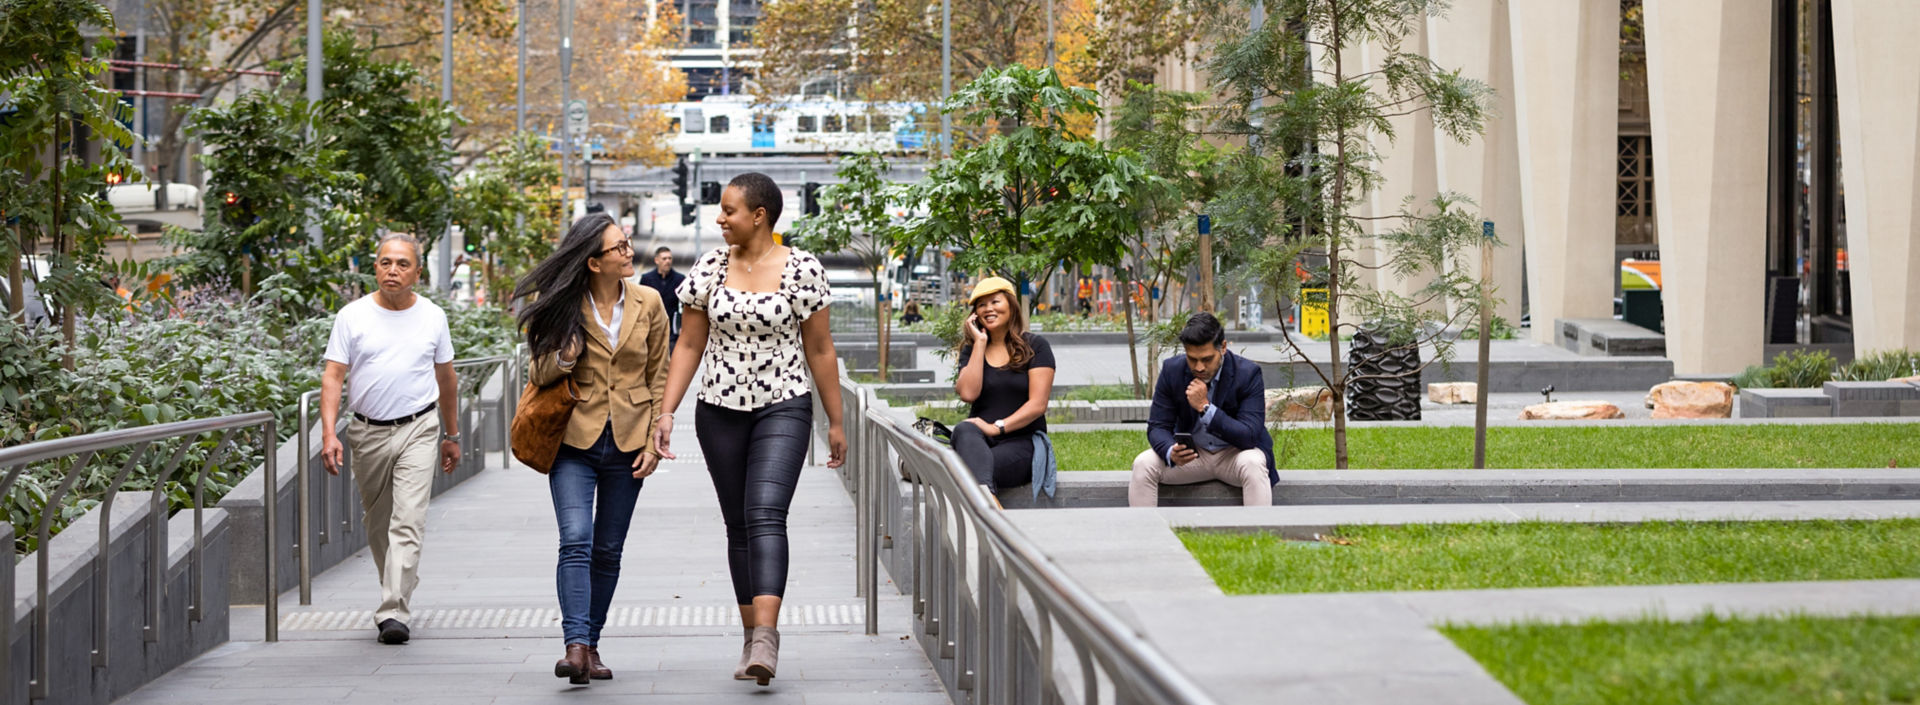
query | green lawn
(1711,661)
(1540,554)
(1816,446)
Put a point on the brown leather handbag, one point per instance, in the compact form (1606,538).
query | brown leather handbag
(540,421)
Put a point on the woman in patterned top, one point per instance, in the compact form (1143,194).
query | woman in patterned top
(763,307)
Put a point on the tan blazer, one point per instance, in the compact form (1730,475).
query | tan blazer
(622,387)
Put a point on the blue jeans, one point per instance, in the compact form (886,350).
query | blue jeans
(590,542)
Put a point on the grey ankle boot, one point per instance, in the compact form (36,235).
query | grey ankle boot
(746,653)
(763,655)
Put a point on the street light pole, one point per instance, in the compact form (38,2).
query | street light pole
(946,73)
(315,65)
(520,99)
(446,96)
(566,99)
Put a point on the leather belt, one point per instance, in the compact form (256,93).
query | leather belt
(400,420)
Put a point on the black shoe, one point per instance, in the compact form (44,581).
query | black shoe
(393,631)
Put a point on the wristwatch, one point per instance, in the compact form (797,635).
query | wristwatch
(455,437)
(1001,424)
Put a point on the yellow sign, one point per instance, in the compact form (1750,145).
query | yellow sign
(1313,312)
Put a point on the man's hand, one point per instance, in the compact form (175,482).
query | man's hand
(449,455)
(645,463)
(1197,395)
(1181,455)
(330,452)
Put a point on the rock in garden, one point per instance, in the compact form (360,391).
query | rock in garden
(1566,410)
(1909,380)
(1452,392)
(1300,404)
(1691,400)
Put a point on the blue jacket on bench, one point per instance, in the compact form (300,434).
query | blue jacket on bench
(1241,398)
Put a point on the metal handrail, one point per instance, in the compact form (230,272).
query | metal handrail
(468,405)
(15,461)
(1138,670)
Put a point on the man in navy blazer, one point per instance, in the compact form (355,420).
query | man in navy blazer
(1218,397)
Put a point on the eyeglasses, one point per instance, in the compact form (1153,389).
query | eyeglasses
(625,246)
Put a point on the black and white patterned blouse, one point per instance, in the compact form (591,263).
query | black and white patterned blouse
(754,354)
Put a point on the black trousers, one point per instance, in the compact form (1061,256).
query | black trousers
(755,459)
(999,462)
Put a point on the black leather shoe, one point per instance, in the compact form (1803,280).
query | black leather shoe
(393,631)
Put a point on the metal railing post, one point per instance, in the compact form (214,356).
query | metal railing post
(270,499)
(42,611)
(874,449)
(102,558)
(7,589)
(303,497)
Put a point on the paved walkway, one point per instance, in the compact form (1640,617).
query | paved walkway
(486,625)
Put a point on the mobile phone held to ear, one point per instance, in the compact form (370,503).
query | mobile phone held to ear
(1183,438)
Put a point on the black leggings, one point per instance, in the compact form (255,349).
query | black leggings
(998,463)
(755,459)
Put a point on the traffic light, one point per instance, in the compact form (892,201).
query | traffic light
(680,180)
(710,193)
(689,213)
(810,198)
(473,247)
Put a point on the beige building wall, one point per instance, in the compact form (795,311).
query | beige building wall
(1474,38)
(1407,170)
(1566,88)
(1707,85)
(1877,64)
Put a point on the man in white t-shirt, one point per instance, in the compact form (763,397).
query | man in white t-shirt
(393,349)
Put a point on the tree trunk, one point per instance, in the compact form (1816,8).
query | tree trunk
(881,309)
(1133,340)
(16,284)
(1334,268)
(59,215)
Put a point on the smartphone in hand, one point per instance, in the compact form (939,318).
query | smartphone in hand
(1183,438)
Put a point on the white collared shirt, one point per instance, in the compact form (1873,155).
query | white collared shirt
(611,328)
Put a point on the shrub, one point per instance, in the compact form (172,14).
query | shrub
(1882,366)
(1791,369)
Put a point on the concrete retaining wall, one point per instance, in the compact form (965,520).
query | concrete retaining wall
(132,662)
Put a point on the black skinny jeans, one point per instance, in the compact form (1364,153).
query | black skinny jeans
(755,459)
(999,462)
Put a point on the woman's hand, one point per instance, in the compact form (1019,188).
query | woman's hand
(978,332)
(663,436)
(986,428)
(645,463)
(836,446)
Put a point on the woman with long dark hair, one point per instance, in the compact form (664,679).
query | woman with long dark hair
(756,314)
(586,321)
(1006,374)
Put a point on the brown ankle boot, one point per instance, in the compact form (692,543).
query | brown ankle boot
(573,666)
(595,669)
(764,654)
(746,653)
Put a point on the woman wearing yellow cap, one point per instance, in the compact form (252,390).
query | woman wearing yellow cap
(1006,373)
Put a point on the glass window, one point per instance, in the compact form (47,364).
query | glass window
(809,123)
(882,123)
(695,121)
(833,124)
(673,124)
(856,123)
(719,125)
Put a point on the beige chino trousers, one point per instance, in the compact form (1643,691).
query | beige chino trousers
(1245,469)
(393,467)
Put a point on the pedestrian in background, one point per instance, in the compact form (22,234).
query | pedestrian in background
(755,313)
(586,321)
(666,282)
(394,348)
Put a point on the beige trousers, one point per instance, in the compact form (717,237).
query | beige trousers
(393,466)
(1245,469)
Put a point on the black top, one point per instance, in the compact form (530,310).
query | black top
(1004,391)
(669,297)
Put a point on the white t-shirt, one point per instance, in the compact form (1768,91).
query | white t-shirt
(390,355)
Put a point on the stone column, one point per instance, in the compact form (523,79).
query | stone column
(1566,78)
(1473,38)
(1877,65)
(1708,65)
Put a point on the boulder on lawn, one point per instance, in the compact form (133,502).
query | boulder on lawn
(1691,400)
(1300,404)
(1569,410)
(1453,392)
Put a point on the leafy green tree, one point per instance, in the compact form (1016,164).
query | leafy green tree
(264,177)
(854,218)
(506,209)
(1035,193)
(1316,122)
(50,72)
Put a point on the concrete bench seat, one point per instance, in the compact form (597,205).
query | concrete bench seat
(1108,488)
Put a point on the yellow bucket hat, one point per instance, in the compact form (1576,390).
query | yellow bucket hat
(990,285)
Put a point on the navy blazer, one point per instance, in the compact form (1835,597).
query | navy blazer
(1241,397)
